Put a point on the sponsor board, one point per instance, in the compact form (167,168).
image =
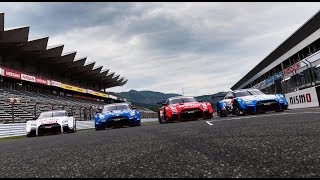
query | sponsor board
(73,88)
(28,78)
(56,83)
(303,98)
(112,96)
(1,71)
(100,94)
(12,74)
(89,91)
(292,68)
(41,81)
(271,79)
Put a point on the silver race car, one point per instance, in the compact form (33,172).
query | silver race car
(57,121)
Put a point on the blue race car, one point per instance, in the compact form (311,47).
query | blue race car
(117,114)
(249,101)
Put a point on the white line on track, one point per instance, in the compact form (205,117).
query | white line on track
(257,116)
(209,123)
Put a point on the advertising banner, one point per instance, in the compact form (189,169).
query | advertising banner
(303,98)
(73,88)
(56,83)
(112,96)
(41,81)
(1,71)
(89,91)
(12,74)
(292,68)
(28,78)
(270,80)
(100,94)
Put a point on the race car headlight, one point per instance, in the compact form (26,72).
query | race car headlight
(101,116)
(248,101)
(33,124)
(65,122)
(173,109)
(132,113)
(205,107)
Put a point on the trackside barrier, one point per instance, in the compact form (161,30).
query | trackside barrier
(304,98)
(19,129)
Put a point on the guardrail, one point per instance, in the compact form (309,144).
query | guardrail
(19,129)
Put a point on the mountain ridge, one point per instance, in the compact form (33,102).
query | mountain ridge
(149,99)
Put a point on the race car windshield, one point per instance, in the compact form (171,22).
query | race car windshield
(182,100)
(116,107)
(175,101)
(52,114)
(242,93)
(256,92)
(189,100)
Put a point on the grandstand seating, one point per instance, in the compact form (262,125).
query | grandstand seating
(31,102)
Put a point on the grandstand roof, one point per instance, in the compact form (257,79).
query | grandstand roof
(14,41)
(303,32)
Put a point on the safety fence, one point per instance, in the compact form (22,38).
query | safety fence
(21,111)
(298,76)
(19,129)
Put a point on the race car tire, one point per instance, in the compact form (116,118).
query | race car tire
(237,109)
(100,128)
(31,134)
(74,129)
(162,120)
(132,124)
(221,114)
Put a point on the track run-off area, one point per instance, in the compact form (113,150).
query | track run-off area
(276,144)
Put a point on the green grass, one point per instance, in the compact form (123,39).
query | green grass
(12,137)
(150,122)
(16,137)
(84,129)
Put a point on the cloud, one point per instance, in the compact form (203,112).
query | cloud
(200,47)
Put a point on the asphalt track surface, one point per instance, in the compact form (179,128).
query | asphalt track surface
(265,145)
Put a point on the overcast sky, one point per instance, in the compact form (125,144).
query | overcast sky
(203,48)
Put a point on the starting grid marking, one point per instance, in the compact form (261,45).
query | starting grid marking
(256,116)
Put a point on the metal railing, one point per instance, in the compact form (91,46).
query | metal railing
(23,110)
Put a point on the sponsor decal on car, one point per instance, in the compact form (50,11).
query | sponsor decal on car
(49,122)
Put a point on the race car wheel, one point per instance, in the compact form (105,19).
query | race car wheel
(162,119)
(73,130)
(221,113)
(237,109)
(100,128)
(31,134)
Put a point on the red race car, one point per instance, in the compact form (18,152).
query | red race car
(182,108)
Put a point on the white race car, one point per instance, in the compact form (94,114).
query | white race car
(58,121)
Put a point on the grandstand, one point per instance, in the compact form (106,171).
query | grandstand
(293,66)
(36,78)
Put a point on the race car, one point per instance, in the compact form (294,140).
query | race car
(57,121)
(250,101)
(182,108)
(117,114)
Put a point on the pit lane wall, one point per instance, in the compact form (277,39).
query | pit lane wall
(305,98)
